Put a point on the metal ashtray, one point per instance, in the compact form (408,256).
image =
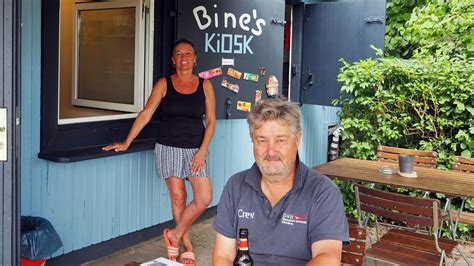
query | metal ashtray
(387,170)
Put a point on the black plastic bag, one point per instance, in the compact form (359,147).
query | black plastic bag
(39,240)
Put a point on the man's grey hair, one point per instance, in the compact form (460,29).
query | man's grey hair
(275,109)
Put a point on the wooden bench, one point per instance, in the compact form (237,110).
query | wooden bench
(464,164)
(405,246)
(422,158)
(355,252)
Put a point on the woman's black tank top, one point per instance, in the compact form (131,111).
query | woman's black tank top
(181,117)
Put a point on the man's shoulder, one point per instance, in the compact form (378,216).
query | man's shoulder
(238,179)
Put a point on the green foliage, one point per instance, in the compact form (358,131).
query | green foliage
(442,27)
(424,103)
(419,103)
(421,96)
(430,27)
(398,12)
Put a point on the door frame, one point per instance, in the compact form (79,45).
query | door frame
(10,11)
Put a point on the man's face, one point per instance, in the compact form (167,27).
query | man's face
(275,147)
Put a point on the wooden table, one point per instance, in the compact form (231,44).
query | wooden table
(453,183)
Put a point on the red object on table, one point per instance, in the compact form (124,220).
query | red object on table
(27,262)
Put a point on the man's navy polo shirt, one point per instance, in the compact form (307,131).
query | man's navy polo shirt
(311,211)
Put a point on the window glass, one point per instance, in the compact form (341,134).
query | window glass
(103,70)
(106,55)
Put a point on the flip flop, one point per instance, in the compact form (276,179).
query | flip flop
(172,251)
(189,256)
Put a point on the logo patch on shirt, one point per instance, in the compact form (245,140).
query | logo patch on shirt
(291,219)
(246,215)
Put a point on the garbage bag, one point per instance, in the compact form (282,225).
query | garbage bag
(38,238)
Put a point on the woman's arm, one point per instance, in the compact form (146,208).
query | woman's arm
(200,156)
(159,91)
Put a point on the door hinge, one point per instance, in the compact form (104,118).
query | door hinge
(373,20)
(280,22)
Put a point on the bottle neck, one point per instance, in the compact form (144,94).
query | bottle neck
(243,244)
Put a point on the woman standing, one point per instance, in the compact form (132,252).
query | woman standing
(182,143)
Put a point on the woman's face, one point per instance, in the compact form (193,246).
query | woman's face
(184,56)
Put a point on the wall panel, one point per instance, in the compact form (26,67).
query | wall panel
(96,200)
(315,121)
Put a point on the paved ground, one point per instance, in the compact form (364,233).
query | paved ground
(202,236)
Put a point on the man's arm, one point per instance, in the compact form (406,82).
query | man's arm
(224,251)
(326,252)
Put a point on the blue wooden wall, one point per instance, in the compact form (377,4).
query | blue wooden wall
(315,122)
(96,200)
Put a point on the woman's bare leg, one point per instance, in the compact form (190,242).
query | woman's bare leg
(202,196)
(178,196)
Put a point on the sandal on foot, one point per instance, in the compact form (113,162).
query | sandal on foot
(189,256)
(172,251)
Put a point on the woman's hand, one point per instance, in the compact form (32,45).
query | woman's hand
(199,159)
(116,147)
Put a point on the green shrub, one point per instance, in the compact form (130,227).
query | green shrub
(398,12)
(419,103)
(429,27)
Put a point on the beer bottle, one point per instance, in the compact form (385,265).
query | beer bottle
(243,254)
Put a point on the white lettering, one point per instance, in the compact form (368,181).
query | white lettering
(207,43)
(246,44)
(244,20)
(244,214)
(226,20)
(227,43)
(260,22)
(204,15)
(223,44)
(216,21)
(238,44)
(204,19)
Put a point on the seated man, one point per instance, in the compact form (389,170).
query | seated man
(294,215)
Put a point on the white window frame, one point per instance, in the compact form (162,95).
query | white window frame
(144,32)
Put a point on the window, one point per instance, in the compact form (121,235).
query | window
(96,73)
(104,73)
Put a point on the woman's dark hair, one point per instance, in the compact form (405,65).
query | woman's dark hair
(183,40)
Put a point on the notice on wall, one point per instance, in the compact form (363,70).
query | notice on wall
(237,35)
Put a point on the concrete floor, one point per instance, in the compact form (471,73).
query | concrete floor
(202,236)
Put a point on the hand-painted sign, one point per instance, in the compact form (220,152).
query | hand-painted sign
(224,42)
(238,36)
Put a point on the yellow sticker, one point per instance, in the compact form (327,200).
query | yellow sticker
(244,106)
(234,73)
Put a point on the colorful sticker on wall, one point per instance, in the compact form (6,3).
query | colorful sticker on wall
(211,73)
(272,86)
(227,61)
(244,106)
(258,96)
(250,76)
(234,73)
(233,87)
(263,71)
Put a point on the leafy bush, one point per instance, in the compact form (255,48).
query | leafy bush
(424,99)
(429,27)
(442,27)
(398,12)
(419,103)
(425,103)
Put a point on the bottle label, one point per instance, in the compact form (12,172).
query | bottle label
(243,244)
